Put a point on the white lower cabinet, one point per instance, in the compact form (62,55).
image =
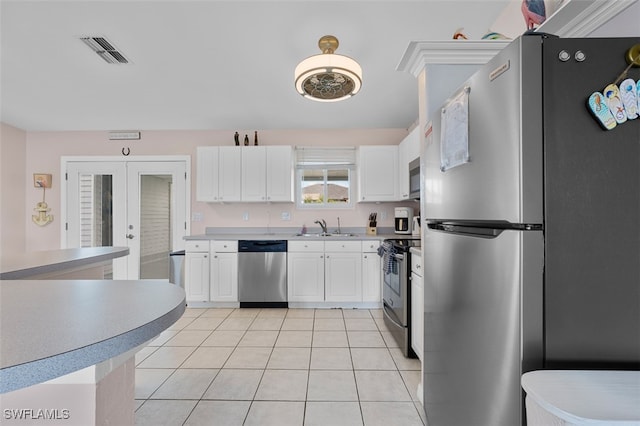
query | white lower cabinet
(224,271)
(305,277)
(333,271)
(343,271)
(371,272)
(343,276)
(196,271)
(417,305)
(305,271)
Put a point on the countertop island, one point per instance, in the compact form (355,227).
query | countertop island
(17,266)
(54,327)
(68,340)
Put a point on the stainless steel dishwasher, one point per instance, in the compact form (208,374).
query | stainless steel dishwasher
(262,273)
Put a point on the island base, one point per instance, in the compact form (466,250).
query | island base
(86,397)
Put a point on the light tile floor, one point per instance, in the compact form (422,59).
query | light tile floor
(277,367)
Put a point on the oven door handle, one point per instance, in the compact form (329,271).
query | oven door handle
(389,314)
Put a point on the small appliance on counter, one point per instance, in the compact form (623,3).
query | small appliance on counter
(417,231)
(403,220)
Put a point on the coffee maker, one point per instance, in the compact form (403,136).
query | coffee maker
(403,220)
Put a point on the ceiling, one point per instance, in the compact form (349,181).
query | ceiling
(214,64)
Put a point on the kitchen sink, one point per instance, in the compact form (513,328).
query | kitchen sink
(325,235)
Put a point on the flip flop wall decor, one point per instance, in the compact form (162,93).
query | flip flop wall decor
(600,110)
(629,96)
(616,104)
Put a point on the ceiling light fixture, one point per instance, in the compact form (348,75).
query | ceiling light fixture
(328,77)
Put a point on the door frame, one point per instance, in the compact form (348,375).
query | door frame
(64,160)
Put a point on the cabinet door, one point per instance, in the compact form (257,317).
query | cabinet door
(196,275)
(343,277)
(371,278)
(279,173)
(305,277)
(408,150)
(378,173)
(417,315)
(207,173)
(229,173)
(224,277)
(254,162)
(403,169)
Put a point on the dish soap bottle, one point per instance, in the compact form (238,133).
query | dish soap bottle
(304,229)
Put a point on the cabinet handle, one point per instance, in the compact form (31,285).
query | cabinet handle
(365,256)
(205,256)
(322,256)
(215,257)
(417,266)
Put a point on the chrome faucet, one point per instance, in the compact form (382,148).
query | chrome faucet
(323,225)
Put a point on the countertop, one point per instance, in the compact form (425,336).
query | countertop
(51,328)
(290,234)
(24,265)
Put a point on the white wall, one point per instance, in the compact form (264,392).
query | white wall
(44,149)
(13,210)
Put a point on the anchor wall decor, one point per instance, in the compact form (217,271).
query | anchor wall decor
(42,218)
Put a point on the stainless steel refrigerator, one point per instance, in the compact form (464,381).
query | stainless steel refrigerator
(532,243)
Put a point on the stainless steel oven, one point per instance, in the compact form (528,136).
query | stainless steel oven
(396,290)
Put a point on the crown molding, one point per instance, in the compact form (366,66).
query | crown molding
(576,18)
(448,52)
(579,18)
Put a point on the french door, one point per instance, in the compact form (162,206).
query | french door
(139,204)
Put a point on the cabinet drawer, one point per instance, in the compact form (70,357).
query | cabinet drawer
(345,246)
(224,246)
(305,246)
(370,246)
(196,245)
(416,263)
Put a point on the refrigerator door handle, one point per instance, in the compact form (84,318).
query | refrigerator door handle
(468,230)
(481,229)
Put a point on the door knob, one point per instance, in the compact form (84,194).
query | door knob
(130,236)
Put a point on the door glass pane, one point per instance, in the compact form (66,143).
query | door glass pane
(96,212)
(155,226)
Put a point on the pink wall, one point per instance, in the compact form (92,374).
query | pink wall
(13,210)
(44,150)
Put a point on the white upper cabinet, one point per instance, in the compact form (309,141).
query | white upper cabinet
(207,173)
(408,150)
(254,167)
(218,174)
(267,173)
(280,173)
(378,173)
(229,176)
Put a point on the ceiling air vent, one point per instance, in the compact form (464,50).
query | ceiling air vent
(104,48)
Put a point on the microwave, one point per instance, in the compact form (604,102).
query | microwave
(414,179)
